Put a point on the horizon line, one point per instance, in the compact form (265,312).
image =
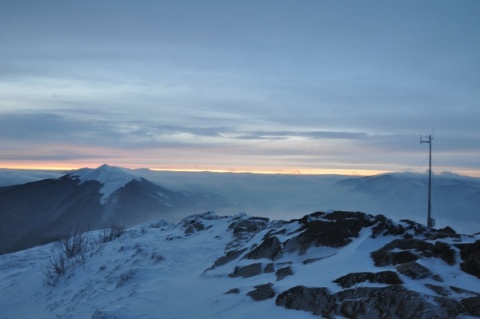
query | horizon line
(318,171)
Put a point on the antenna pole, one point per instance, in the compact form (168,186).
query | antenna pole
(430,220)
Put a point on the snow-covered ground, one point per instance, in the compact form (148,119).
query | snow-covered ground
(158,270)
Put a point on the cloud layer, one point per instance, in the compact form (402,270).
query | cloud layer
(274,85)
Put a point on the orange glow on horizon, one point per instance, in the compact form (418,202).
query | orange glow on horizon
(60,166)
(287,171)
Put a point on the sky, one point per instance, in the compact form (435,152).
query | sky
(261,86)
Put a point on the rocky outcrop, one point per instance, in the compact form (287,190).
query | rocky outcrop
(334,230)
(284,272)
(262,292)
(470,254)
(365,302)
(228,257)
(415,271)
(247,271)
(315,300)
(411,250)
(245,228)
(473,305)
(383,277)
(270,248)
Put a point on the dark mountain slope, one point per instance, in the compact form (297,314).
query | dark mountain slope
(37,212)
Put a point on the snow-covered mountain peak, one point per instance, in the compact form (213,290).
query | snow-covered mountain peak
(111,178)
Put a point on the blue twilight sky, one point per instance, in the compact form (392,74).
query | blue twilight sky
(283,86)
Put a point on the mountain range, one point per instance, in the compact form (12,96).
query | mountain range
(329,265)
(41,211)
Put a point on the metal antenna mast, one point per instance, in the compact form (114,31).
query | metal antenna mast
(430,220)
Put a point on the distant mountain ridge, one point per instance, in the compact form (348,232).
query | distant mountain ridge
(96,197)
(455,198)
(40,211)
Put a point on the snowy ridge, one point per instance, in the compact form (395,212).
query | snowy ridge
(111,178)
(208,266)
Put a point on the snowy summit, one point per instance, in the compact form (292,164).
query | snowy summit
(112,178)
(337,265)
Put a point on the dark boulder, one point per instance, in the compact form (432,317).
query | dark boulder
(473,305)
(442,291)
(233,291)
(334,230)
(269,268)
(245,229)
(247,271)
(262,292)
(387,302)
(393,302)
(451,307)
(414,270)
(386,227)
(470,254)
(445,252)
(383,277)
(229,256)
(411,249)
(284,272)
(315,300)
(270,248)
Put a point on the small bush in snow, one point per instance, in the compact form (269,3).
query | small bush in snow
(69,251)
(109,234)
(73,249)
(56,268)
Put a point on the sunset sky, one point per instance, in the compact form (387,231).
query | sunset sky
(306,86)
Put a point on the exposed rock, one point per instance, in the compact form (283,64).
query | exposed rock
(247,271)
(386,227)
(387,302)
(311,260)
(233,291)
(194,226)
(414,270)
(315,300)
(445,252)
(383,277)
(473,305)
(411,248)
(229,256)
(284,272)
(270,248)
(470,254)
(442,291)
(451,307)
(418,229)
(262,292)
(446,232)
(269,268)
(334,230)
(464,291)
(245,229)
(401,257)
(365,302)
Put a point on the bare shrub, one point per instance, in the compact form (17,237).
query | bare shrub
(75,246)
(72,249)
(56,268)
(113,232)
